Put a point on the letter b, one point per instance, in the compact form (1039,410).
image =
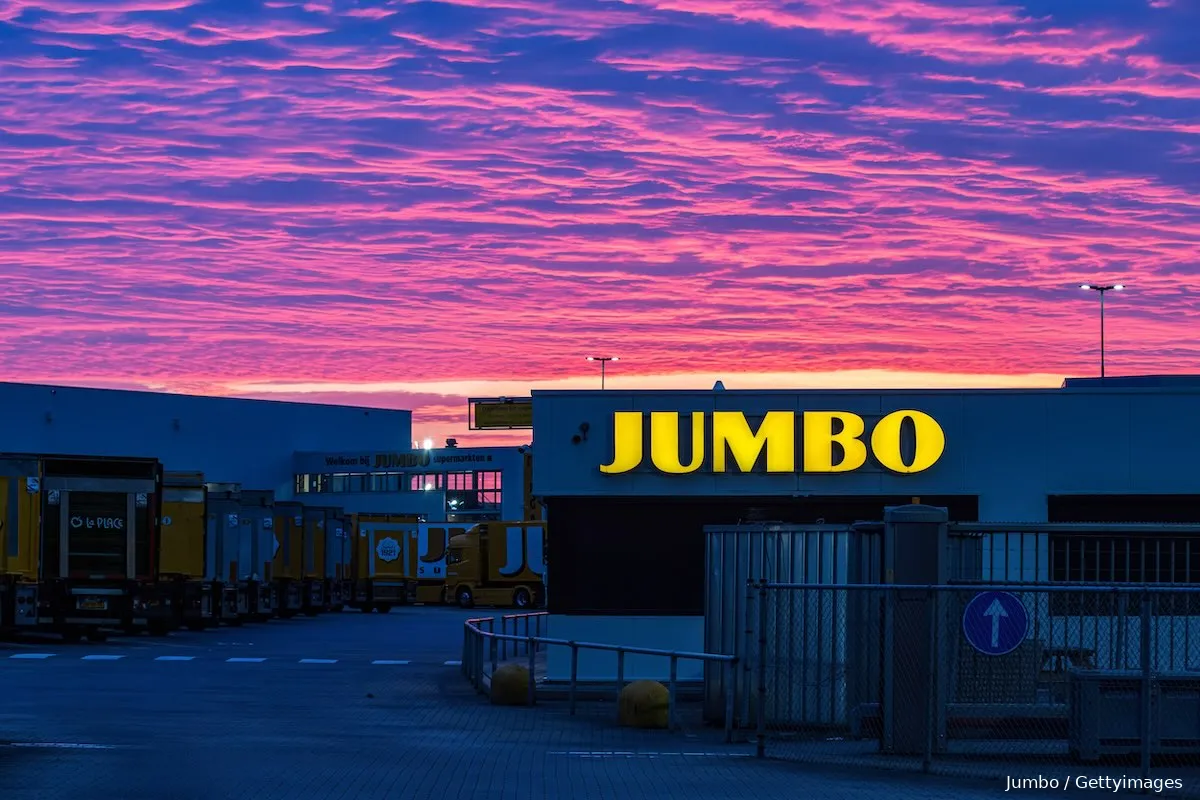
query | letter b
(819,439)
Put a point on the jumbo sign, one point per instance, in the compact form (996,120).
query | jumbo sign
(737,446)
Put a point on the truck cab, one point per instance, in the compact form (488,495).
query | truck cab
(497,564)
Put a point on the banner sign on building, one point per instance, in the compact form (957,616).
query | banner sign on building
(500,413)
(675,443)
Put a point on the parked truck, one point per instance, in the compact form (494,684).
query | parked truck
(383,561)
(314,597)
(100,537)
(20,503)
(433,539)
(181,572)
(223,547)
(256,551)
(339,588)
(287,566)
(497,564)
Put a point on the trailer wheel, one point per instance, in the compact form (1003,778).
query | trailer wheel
(97,636)
(72,635)
(384,607)
(522,598)
(366,608)
(465,598)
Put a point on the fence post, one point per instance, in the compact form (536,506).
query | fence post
(747,651)
(1147,621)
(504,642)
(930,715)
(532,669)
(730,693)
(620,680)
(574,676)
(671,692)
(466,651)
(760,747)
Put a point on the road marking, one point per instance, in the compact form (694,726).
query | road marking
(175,658)
(102,658)
(453,663)
(244,660)
(318,661)
(64,745)
(393,663)
(633,754)
(32,655)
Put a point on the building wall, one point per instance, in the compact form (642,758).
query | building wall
(231,440)
(407,463)
(1011,448)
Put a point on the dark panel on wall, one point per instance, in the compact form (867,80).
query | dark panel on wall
(1183,508)
(645,556)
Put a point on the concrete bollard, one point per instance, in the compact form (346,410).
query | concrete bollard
(644,704)
(510,685)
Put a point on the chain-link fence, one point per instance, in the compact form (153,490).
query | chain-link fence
(1049,683)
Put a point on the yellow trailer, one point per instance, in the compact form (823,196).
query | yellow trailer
(287,566)
(181,560)
(383,561)
(20,504)
(497,564)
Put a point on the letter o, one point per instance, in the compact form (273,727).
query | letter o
(885,441)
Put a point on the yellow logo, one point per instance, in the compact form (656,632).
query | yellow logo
(739,447)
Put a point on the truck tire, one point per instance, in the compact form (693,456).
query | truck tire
(384,607)
(522,598)
(465,598)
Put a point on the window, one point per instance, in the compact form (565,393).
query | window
(1130,559)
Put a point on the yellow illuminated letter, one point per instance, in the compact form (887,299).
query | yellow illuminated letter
(777,434)
(664,442)
(627,442)
(819,439)
(885,441)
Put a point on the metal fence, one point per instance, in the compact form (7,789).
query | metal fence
(981,680)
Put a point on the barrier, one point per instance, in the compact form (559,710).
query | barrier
(484,650)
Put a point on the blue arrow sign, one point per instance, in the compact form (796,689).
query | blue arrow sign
(995,623)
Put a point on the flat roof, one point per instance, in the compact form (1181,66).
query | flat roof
(1127,384)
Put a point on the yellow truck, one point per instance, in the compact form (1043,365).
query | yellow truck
(383,561)
(287,565)
(433,541)
(20,502)
(181,559)
(497,564)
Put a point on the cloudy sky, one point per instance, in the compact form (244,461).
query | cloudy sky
(403,204)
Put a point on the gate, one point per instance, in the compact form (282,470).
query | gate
(783,553)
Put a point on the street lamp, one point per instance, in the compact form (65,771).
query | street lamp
(1103,290)
(603,363)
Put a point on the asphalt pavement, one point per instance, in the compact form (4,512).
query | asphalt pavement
(348,706)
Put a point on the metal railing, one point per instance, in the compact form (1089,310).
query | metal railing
(968,677)
(477,656)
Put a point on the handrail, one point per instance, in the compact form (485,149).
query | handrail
(473,660)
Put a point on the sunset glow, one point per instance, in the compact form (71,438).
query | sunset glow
(404,204)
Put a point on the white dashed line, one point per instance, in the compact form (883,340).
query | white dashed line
(175,658)
(244,660)
(318,661)
(392,663)
(632,754)
(63,745)
(102,658)
(32,655)
(453,663)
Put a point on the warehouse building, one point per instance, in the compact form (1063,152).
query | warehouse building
(356,458)
(631,478)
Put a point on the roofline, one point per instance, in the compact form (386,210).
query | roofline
(56,386)
(1074,390)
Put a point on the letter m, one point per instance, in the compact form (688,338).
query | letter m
(776,433)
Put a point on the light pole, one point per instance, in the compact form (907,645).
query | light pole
(603,364)
(1103,290)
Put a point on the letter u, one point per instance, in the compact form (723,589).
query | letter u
(664,442)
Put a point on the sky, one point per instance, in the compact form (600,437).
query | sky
(403,204)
